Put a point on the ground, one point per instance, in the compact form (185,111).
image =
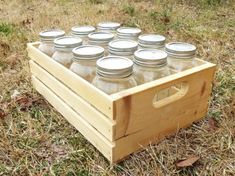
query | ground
(37,140)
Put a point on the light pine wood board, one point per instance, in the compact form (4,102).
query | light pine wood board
(98,120)
(138,110)
(91,134)
(156,132)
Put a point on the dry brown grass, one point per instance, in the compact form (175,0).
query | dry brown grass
(36,140)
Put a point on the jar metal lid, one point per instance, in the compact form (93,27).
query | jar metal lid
(88,52)
(180,49)
(114,67)
(100,36)
(123,45)
(82,30)
(108,25)
(51,34)
(128,31)
(67,42)
(150,57)
(151,39)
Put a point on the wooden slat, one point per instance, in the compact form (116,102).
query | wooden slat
(99,121)
(122,94)
(155,132)
(91,134)
(136,110)
(91,94)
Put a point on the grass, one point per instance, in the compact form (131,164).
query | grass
(5,28)
(36,140)
(129,9)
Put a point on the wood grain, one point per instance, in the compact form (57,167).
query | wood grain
(95,118)
(91,94)
(92,135)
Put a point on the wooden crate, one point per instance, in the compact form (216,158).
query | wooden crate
(121,123)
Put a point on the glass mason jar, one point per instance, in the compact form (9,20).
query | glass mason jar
(82,32)
(123,47)
(84,62)
(181,56)
(47,40)
(108,27)
(100,39)
(149,65)
(128,33)
(151,41)
(114,74)
(63,49)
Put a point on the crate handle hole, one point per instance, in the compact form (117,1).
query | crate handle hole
(170,94)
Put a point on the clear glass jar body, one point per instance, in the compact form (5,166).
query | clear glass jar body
(84,68)
(83,37)
(113,85)
(113,31)
(130,56)
(102,44)
(144,74)
(63,57)
(180,64)
(162,48)
(127,38)
(47,47)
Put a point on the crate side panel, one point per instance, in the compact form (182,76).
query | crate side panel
(92,135)
(98,120)
(140,139)
(136,111)
(91,94)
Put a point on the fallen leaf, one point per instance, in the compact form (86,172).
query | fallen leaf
(4,48)
(188,162)
(165,19)
(212,124)
(12,60)
(58,150)
(24,103)
(51,152)
(170,32)
(2,113)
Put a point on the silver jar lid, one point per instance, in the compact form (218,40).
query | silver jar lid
(114,67)
(51,34)
(82,30)
(100,36)
(67,42)
(152,39)
(128,32)
(88,52)
(180,49)
(108,25)
(150,58)
(123,45)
